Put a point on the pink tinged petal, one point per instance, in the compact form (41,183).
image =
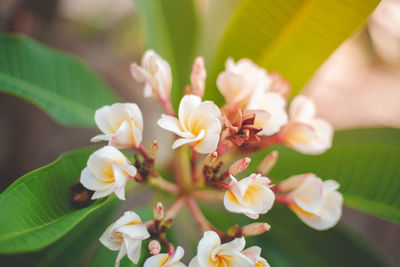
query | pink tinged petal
(293,182)
(148,91)
(182,141)
(301,109)
(121,254)
(309,195)
(236,259)
(253,253)
(121,178)
(123,136)
(172,124)
(138,73)
(137,136)
(101,117)
(187,105)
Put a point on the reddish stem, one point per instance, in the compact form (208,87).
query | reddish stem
(193,161)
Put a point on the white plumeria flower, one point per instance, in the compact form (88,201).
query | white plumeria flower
(317,203)
(126,235)
(156,73)
(239,81)
(199,123)
(250,196)
(270,111)
(107,171)
(253,253)
(304,132)
(210,252)
(165,260)
(121,123)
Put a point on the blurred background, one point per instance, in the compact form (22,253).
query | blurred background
(358,86)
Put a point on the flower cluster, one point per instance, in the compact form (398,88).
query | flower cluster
(253,118)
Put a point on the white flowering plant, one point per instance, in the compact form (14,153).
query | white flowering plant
(249,155)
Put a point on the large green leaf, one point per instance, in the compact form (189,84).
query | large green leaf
(365,162)
(171,29)
(292,243)
(36,211)
(71,248)
(57,83)
(293,37)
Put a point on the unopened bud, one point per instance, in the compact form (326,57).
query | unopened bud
(158,211)
(198,77)
(211,158)
(268,162)
(154,247)
(233,230)
(153,149)
(255,229)
(166,223)
(239,166)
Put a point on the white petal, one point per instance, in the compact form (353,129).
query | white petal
(187,105)
(182,141)
(172,124)
(179,252)
(138,73)
(103,193)
(129,169)
(101,137)
(102,120)
(91,182)
(123,137)
(133,247)
(129,217)
(237,259)
(301,109)
(236,244)
(205,247)
(100,162)
(135,231)
(156,260)
(121,254)
(109,243)
(194,262)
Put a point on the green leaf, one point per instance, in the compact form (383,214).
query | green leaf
(292,243)
(57,83)
(365,162)
(71,248)
(171,29)
(35,210)
(293,37)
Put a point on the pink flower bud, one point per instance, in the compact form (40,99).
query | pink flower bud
(211,158)
(268,163)
(233,230)
(153,149)
(198,77)
(239,166)
(154,247)
(255,229)
(158,211)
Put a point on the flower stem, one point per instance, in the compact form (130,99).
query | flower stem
(183,169)
(193,161)
(165,185)
(211,196)
(174,209)
(201,221)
